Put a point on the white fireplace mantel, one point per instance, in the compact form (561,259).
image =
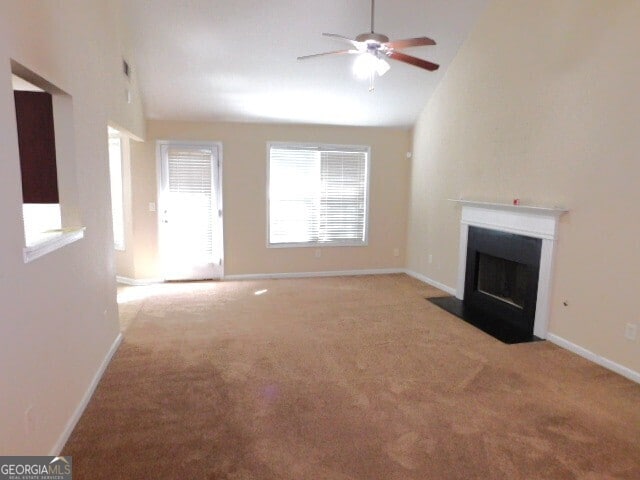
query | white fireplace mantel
(530,221)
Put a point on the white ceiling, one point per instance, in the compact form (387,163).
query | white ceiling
(235,60)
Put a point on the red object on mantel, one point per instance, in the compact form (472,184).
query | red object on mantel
(516,201)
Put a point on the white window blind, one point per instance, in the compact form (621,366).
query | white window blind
(190,197)
(117,198)
(317,195)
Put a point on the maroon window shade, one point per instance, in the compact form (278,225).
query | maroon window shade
(36,140)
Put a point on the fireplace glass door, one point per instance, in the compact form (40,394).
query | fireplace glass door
(502,279)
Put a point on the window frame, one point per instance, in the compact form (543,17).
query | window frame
(37,243)
(319,146)
(112,134)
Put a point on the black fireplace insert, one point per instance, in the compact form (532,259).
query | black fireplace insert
(501,279)
(501,284)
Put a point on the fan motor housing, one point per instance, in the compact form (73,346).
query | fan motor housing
(372,38)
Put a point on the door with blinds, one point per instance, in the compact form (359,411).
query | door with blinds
(190,210)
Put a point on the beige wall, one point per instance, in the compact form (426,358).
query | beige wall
(244,197)
(542,104)
(125,114)
(134,126)
(58,314)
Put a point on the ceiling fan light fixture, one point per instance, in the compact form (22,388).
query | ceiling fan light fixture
(364,65)
(368,64)
(382,67)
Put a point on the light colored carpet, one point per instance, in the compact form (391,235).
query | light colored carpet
(131,299)
(344,378)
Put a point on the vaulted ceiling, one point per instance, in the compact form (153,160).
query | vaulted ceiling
(235,60)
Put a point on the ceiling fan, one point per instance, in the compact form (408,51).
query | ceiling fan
(372,49)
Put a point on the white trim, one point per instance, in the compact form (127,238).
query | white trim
(545,284)
(71,423)
(554,211)
(595,358)
(113,134)
(462,260)
(317,244)
(138,282)
(219,191)
(334,273)
(430,281)
(520,222)
(59,240)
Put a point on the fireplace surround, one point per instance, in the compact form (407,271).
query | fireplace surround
(527,221)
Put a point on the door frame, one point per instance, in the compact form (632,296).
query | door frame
(161,201)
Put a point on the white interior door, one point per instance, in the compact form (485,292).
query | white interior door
(190,210)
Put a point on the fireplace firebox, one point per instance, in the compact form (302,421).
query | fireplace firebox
(501,281)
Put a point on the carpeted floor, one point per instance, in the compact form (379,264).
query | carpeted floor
(343,379)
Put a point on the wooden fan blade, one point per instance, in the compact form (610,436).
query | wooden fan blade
(342,37)
(338,52)
(410,42)
(418,62)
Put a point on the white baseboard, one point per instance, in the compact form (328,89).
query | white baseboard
(71,423)
(433,283)
(336,273)
(136,282)
(589,355)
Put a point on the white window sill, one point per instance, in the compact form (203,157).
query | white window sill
(50,241)
(317,244)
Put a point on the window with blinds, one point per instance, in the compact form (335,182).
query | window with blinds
(318,195)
